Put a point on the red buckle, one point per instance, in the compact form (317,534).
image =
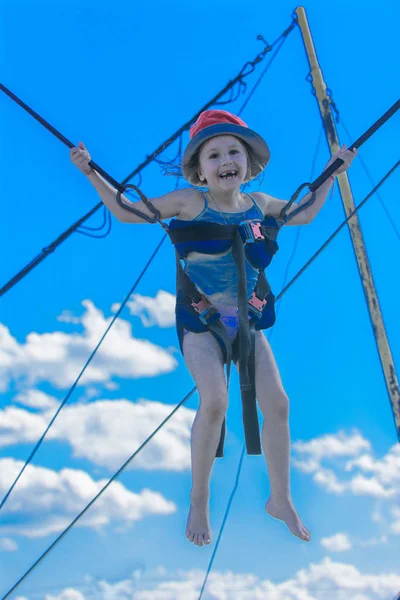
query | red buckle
(202,305)
(257,303)
(256,231)
(208,314)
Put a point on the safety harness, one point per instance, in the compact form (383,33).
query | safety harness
(254,241)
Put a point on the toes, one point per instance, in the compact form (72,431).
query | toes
(199,539)
(190,535)
(207,539)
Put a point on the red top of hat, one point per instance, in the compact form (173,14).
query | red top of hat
(214,117)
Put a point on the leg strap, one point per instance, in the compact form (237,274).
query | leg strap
(249,403)
(246,355)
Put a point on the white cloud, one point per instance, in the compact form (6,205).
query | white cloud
(67,316)
(158,311)
(374,542)
(58,357)
(46,501)
(339,581)
(339,542)
(67,594)
(36,399)
(331,446)
(387,469)
(8,545)
(107,432)
(363,486)
(384,475)
(327,479)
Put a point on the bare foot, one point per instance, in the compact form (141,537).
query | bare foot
(286,512)
(198,528)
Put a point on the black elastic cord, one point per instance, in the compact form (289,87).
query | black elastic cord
(308,263)
(371,180)
(336,164)
(103,489)
(53,245)
(38,444)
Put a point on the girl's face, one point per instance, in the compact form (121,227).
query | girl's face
(223,163)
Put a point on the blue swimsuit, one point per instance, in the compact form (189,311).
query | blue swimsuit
(216,275)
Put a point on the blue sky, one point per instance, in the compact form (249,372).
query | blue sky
(122,77)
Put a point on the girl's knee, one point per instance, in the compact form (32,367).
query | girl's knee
(214,407)
(274,403)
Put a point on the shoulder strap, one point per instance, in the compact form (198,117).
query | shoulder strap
(255,204)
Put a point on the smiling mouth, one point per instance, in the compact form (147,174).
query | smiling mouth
(229,175)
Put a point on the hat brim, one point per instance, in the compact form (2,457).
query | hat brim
(254,140)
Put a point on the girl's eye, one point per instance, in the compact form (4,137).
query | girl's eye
(214,155)
(234,151)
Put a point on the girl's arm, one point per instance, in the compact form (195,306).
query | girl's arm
(170,205)
(273,206)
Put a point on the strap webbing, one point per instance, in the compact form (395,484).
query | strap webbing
(246,341)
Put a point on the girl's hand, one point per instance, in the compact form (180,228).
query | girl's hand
(346,155)
(81,158)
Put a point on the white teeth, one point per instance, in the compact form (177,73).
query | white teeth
(229,175)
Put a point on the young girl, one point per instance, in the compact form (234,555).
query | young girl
(224,153)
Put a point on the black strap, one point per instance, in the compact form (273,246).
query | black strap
(246,340)
(202,231)
(249,404)
(246,354)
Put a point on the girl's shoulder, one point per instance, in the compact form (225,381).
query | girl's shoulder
(262,201)
(192,203)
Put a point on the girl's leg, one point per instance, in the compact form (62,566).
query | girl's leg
(204,360)
(274,405)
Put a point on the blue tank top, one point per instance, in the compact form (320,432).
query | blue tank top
(215,275)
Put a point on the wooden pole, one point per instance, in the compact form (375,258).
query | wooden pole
(360,251)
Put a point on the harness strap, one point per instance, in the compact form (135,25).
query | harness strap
(249,404)
(246,354)
(202,231)
(246,342)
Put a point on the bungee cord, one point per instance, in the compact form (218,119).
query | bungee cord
(38,444)
(246,70)
(279,46)
(324,245)
(368,174)
(313,186)
(298,232)
(107,221)
(224,520)
(58,539)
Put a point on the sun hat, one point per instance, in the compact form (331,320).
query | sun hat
(221,122)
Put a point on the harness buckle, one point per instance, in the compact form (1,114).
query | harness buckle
(252,232)
(256,305)
(207,313)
